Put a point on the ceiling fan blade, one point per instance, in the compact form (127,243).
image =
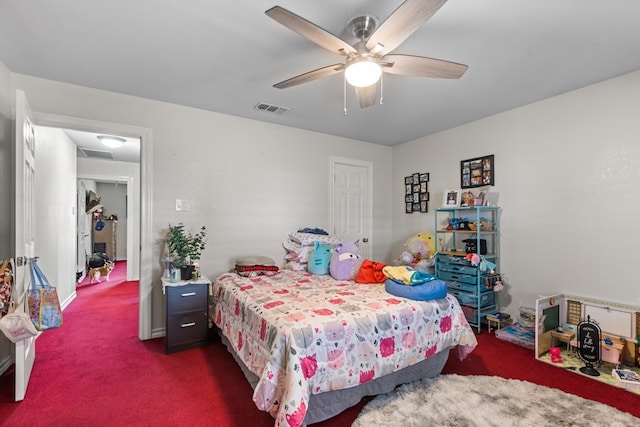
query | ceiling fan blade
(310,31)
(310,76)
(367,96)
(421,66)
(403,22)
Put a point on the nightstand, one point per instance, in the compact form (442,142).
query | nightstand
(186,309)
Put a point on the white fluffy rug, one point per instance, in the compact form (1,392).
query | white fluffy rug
(454,400)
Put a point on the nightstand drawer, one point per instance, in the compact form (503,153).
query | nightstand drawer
(186,315)
(187,298)
(186,329)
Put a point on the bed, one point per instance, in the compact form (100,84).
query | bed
(312,346)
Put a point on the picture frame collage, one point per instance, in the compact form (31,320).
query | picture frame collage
(416,193)
(477,172)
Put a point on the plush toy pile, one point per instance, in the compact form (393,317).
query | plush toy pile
(419,252)
(322,254)
(301,244)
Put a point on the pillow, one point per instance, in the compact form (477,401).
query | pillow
(256,270)
(319,259)
(255,260)
(432,289)
(252,266)
(370,272)
(308,239)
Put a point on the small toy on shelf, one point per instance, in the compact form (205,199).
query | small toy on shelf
(556,357)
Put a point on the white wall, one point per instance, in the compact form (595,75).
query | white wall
(250,183)
(567,170)
(6,185)
(55,183)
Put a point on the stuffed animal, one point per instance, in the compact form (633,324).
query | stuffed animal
(422,245)
(320,259)
(556,357)
(345,261)
(419,252)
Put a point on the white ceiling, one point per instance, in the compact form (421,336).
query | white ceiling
(89,146)
(224,56)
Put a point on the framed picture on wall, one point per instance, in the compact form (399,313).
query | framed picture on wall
(477,172)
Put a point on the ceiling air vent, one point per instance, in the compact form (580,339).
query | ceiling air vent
(97,154)
(270,108)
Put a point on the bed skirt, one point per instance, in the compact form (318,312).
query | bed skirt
(326,405)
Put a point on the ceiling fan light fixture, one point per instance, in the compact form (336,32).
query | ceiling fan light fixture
(111,141)
(363,71)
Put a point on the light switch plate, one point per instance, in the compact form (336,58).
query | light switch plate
(183,205)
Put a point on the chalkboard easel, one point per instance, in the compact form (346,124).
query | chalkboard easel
(589,346)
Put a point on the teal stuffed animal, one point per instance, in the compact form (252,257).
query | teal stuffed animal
(319,259)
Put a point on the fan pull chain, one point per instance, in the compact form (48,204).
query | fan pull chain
(381,88)
(344,95)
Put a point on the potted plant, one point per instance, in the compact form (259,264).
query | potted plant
(185,247)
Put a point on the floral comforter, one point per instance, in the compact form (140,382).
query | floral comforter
(303,334)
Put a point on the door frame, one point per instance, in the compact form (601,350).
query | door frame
(129,182)
(333,161)
(145,286)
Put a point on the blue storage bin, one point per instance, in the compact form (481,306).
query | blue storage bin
(487,298)
(453,259)
(455,277)
(458,268)
(463,286)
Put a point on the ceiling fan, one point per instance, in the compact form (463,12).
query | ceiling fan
(370,55)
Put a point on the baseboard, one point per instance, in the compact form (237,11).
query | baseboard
(66,302)
(157,333)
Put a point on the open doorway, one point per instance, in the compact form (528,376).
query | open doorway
(104,224)
(139,190)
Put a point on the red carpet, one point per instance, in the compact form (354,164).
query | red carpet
(95,371)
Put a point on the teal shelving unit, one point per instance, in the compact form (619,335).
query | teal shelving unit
(459,228)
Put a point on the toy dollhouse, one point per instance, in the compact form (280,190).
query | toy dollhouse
(558,317)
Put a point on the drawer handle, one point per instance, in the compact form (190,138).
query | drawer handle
(187,325)
(188,294)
